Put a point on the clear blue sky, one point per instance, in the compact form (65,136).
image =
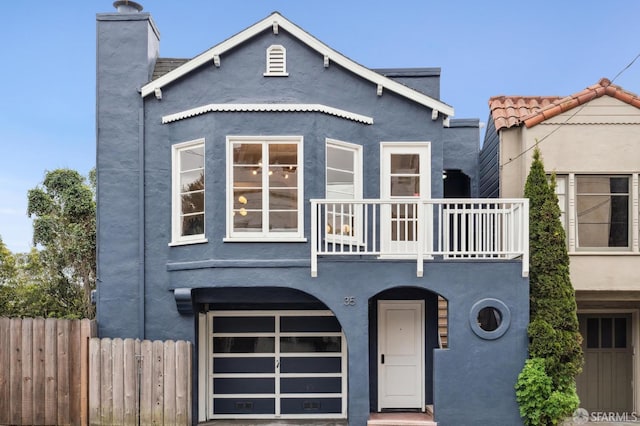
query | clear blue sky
(47,51)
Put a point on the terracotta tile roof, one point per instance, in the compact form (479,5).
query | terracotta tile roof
(510,111)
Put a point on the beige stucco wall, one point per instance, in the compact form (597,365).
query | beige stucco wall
(601,137)
(605,272)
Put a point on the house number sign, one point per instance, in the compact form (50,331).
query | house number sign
(349,300)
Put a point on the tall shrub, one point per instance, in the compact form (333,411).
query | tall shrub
(553,329)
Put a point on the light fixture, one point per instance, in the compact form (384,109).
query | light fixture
(243,212)
(346,229)
(242,199)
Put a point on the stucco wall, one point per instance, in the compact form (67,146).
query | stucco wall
(601,137)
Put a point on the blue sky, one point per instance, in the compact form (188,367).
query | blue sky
(47,101)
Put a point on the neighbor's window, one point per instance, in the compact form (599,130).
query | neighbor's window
(561,192)
(344,182)
(265,188)
(602,211)
(188,192)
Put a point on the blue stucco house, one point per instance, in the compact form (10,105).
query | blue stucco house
(309,224)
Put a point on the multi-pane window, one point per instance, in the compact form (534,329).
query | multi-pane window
(602,211)
(188,219)
(344,182)
(265,188)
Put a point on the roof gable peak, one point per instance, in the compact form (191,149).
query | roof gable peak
(277,20)
(513,111)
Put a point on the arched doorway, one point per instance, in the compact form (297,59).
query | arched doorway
(403,332)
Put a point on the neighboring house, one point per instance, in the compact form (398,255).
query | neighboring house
(281,207)
(591,140)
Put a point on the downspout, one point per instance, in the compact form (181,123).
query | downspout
(141,228)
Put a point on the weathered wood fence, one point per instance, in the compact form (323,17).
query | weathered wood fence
(44,370)
(132,377)
(55,372)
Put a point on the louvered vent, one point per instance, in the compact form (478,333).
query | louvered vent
(276,61)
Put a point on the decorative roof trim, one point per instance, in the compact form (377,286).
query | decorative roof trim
(267,108)
(312,42)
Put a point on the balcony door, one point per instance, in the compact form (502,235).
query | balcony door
(405,175)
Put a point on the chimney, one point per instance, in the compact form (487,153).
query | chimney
(127,6)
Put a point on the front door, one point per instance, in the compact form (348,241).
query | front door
(400,354)
(605,384)
(405,174)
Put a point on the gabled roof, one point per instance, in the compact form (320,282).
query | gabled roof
(513,111)
(275,20)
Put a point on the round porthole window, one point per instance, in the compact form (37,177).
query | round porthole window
(489,318)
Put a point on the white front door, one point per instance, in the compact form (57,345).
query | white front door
(401,354)
(405,174)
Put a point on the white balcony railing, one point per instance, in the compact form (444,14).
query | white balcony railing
(450,229)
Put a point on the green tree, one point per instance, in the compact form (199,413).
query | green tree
(27,290)
(7,277)
(64,227)
(553,329)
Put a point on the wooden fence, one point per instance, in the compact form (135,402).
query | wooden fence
(130,378)
(44,370)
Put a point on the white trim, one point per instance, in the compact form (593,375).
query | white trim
(192,112)
(203,350)
(176,202)
(189,242)
(265,235)
(310,41)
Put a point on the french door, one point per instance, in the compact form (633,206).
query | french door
(405,176)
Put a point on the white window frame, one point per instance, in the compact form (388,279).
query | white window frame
(358,231)
(265,235)
(176,200)
(271,69)
(572,223)
(207,375)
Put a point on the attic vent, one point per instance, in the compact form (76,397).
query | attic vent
(276,61)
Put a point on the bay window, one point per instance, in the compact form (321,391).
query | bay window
(343,182)
(264,194)
(188,193)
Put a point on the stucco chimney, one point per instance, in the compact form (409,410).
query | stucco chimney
(127,6)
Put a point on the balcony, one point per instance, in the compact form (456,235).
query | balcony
(448,229)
